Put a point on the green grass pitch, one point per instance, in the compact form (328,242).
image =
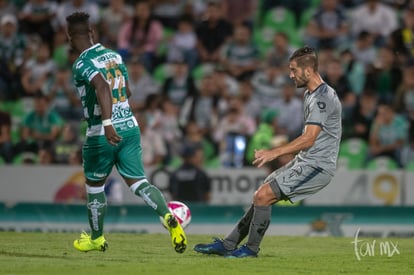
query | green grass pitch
(52,253)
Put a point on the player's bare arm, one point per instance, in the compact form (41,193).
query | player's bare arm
(103,93)
(305,141)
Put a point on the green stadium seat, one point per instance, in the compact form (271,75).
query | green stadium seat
(280,19)
(353,153)
(382,163)
(20,158)
(202,70)
(162,72)
(264,38)
(410,166)
(163,46)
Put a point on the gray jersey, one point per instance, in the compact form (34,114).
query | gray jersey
(322,107)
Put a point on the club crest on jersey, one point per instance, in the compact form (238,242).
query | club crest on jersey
(321,106)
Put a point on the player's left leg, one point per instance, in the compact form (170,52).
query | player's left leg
(131,168)
(263,200)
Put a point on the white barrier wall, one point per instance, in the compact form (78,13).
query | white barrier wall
(229,186)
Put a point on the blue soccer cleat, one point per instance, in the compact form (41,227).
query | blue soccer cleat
(214,248)
(242,252)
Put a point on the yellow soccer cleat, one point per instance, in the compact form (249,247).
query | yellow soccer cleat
(178,238)
(85,243)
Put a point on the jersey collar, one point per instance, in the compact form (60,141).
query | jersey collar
(90,48)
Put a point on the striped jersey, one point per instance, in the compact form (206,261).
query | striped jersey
(100,60)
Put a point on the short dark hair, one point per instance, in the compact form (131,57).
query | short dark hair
(305,57)
(78,19)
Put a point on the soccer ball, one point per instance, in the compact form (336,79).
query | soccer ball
(180,211)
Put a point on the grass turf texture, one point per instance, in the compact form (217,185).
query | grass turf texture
(52,253)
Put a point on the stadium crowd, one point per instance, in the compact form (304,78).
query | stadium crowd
(209,72)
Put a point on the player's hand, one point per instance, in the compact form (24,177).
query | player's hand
(263,156)
(111,135)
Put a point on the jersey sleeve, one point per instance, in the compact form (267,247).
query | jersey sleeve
(84,71)
(318,112)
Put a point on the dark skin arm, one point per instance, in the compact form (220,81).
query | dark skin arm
(104,95)
(305,141)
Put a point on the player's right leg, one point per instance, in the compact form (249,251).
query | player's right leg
(98,162)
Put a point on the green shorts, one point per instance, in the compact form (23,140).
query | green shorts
(99,157)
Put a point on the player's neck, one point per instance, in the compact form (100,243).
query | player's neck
(84,45)
(314,83)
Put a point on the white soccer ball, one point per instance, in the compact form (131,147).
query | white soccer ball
(180,211)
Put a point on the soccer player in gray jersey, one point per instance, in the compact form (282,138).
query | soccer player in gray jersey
(311,170)
(113,136)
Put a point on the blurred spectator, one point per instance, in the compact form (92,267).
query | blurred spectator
(280,51)
(363,114)
(141,36)
(388,133)
(354,71)
(75,157)
(154,149)
(232,132)
(245,97)
(37,16)
(376,18)
(38,71)
(183,43)
(262,137)
(212,33)
(68,7)
(67,144)
(241,55)
(328,27)
(46,155)
(168,12)
(204,110)
(240,12)
(267,84)
(169,129)
(63,96)
(402,39)
(12,55)
(61,50)
(113,16)
(6,146)
(404,97)
(407,153)
(363,48)
(385,74)
(180,85)
(194,135)
(190,183)
(153,112)
(113,190)
(141,84)
(227,85)
(336,78)
(7,7)
(41,127)
(290,109)
(297,6)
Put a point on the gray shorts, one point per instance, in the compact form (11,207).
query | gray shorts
(297,180)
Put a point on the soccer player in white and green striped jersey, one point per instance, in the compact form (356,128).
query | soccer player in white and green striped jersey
(113,136)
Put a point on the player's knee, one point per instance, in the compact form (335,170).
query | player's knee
(260,197)
(264,196)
